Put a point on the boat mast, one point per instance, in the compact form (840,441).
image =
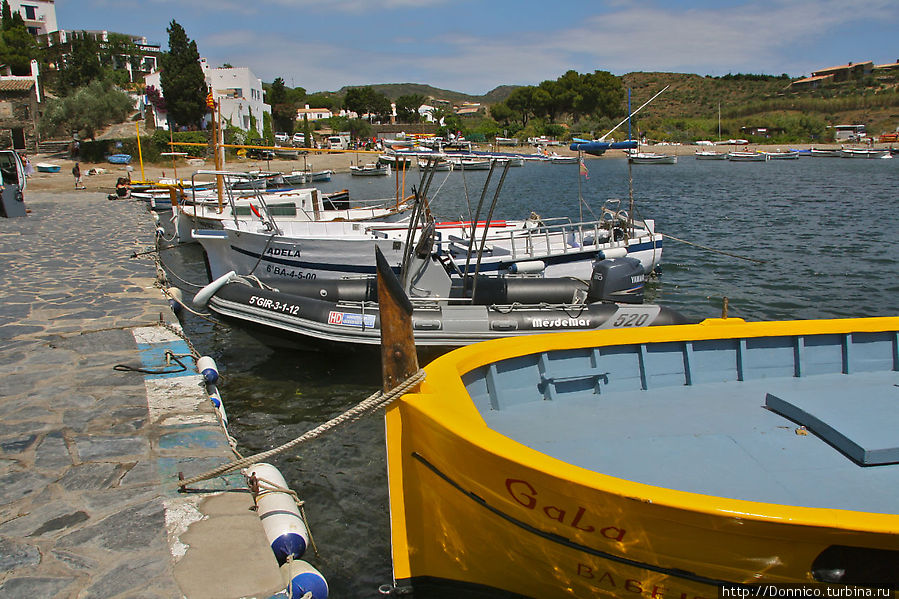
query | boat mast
(630,174)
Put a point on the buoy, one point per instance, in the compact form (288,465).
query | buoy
(301,578)
(527,267)
(176,299)
(612,253)
(203,295)
(216,398)
(206,366)
(278,512)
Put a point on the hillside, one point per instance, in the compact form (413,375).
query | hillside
(395,90)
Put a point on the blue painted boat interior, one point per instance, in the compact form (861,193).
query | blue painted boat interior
(807,421)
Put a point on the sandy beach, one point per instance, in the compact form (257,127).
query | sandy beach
(340,162)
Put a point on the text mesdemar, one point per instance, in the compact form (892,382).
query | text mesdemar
(545,323)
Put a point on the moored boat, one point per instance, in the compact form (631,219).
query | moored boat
(663,461)
(637,157)
(747,156)
(825,152)
(709,155)
(863,153)
(370,170)
(780,155)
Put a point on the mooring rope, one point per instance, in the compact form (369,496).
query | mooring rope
(370,404)
(703,247)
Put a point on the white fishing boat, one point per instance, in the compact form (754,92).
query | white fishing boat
(825,152)
(710,155)
(863,153)
(370,170)
(438,164)
(637,157)
(783,155)
(469,163)
(559,159)
(747,156)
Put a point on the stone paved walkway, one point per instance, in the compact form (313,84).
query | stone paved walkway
(87,506)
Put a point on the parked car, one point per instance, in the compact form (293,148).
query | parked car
(299,139)
(281,138)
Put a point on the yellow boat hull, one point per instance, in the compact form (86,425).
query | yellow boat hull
(473,507)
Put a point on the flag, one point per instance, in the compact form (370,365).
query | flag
(583,168)
(210,102)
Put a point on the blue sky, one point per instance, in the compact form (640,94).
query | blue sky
(474,45)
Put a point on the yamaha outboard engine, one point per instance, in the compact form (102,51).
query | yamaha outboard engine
(617,280)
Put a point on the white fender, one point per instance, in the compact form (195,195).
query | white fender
(528,266)
(216,398)
(206,366)
(176,299)
(301,578)
(280,516)
(203,295)
(612,253)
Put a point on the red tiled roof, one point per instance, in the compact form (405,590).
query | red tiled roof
(16,85)
(848,65)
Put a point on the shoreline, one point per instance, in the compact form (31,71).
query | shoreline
(323,160)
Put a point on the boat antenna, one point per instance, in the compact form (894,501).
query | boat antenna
(474,222)
(413,224)
(603,138)
(630,173)
(477,268)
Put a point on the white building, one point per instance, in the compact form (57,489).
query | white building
(314,114)
(39,15)
(236,89)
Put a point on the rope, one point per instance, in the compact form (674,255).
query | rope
(168,354)
(714,250)
(370,404)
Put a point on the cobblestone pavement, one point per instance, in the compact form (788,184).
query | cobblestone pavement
(87,507)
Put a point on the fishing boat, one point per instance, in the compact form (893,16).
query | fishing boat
(637,157)
(446,313)
(558,159)
(469,163)
(370,170)
(779,155)
(599,147)
(736,156)
(824,153)
(709,155)
(396,160)
(649,462)
(47,167)
(507,141)
(863,153)
(436,163)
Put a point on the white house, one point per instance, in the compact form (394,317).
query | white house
(236,89)
(314,114)
(39,15)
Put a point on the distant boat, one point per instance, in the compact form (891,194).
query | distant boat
(747,156)
(557,159)
(438,164)
(370,170)
(507,141)
(733,142)
(862,153)
(119,158)
(46,167)
(709,155)
(824,153)
(790,155)
(651,158)
(469,164)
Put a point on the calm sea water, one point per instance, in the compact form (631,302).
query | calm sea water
(822,233)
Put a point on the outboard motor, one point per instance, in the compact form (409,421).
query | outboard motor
(617,280)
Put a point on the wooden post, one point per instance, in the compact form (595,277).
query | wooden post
(398,358)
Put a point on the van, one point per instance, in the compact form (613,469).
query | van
(12,170)
(340,141)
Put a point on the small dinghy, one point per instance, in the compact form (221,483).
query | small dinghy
(46,167)
(119,159)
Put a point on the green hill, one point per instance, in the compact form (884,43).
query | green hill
(395,90)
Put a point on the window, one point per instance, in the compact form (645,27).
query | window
(30,12)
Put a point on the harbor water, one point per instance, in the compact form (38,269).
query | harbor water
(792,239)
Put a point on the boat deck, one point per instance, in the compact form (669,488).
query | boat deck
(806,421)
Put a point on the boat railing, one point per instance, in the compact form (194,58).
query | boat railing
(228,194)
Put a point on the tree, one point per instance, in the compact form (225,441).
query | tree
(365,100)
(182,79)
(82,65)
(85,111)
(407,108)
(307,132)
(17,46)
(284,113)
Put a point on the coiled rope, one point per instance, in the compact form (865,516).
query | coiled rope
(370,404)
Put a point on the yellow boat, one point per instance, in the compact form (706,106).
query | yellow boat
(659,462)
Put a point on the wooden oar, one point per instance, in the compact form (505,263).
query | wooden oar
(398,358)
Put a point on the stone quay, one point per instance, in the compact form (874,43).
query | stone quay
(90,453)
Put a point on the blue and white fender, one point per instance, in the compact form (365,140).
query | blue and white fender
(206,366)
(216,398)
(176,299)
(284,528)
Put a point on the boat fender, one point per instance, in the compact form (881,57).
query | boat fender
(527,267)
(160,232)
(281,521)
(612,253)
(206,366)
(155,218)
(301,579)
(216,398)
(203,295)
(176,299)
